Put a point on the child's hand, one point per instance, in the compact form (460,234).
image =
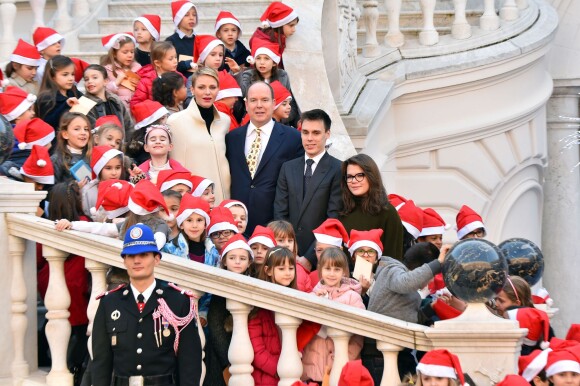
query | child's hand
(82,182)
(120,77)
(321,292)
(62,225)
(233,65)
(364,283)
(135,171)
(443,252)
(72,101)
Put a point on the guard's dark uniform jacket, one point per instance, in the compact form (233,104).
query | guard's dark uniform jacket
(124,343)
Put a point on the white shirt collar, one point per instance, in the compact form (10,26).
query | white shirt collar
(147,293)
(182,34)
(315,159)
(266,129)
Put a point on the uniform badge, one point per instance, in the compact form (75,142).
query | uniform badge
(136,233)
(115,314)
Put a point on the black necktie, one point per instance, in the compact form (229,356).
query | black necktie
(140,302)
(307,174)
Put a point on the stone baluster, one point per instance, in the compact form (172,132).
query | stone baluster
(80,8)
(38,12)
(489,21)
(340,339)
(99,285)
(240,353)
(428,35)
(58,329)
(509,11)
(522,4)
(371,18)
(198,295)
(391,371)
(19,321)
(63,21)
(290,364)
(8,15)
(394,37)
(460,28)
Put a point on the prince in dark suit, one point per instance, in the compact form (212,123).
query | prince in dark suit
(308,190)
(256,152)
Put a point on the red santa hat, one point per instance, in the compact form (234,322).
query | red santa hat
(113,40)
(531,365)
(113,196)
(513,380)
(541,296)
(190,205)
(277,14)
(332,232)
(264,47)
(33,132)
(167,179)
(199,184)
(237,242)
(263,235)
(25,53)
(152,23)
(433,224)
(38,166)
(371,239)
(204,44)
(147,199)
(536,321)
(467,221)
(14,102)
(437,283)
(229,203)
(80,67)
(221,219)
(355,374)
(396,200)
(44,37)
(100,156)
(229,87)
(225,17)
(147,112)
(441,363)
(411,217)
(563,360)
(445,311)
(281,93)
(106,119)
(574,333)
(179,9)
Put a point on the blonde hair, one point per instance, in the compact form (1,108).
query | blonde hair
(204,71)
(452,382)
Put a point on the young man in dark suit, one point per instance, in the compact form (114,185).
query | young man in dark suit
(308,190)
(256,152)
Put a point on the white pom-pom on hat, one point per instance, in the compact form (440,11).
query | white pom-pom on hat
(22,145)
(265,24)
(550,302)
(31,98)
(5,82)
(544,345)
(93,211)
(41,163)
(117,185)
(194,66)
(250,59)
(447,227)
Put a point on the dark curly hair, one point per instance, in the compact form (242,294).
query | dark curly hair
(165,85)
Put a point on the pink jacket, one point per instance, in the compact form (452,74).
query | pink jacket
(267,346)
(121,91)
(319,353)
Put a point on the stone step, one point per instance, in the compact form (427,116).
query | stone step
(92,57)
(205,8)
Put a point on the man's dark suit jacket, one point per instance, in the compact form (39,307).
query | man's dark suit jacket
(258,193)
(307,210)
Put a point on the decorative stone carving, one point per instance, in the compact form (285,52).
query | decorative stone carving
(348,15)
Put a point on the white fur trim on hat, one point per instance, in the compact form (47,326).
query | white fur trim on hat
(411,229)
(41,142)
(432,231)
(210,46)
(203,185)
(49,41)
(106,157)
(222,226)
(365,243)
(46,180)
(181,13)
(238,244)
(229,92)
(280,104)
(171,183)
(188,212)
(437,371)
(152,30)
(326,239)
(469,228)
(238,203)
(262,240)
(24,60)
(114,41)
(269,53)
(158,114)
(562,366)
(279,23)
(111,214)
(227,20)
(21,108)
(133,207)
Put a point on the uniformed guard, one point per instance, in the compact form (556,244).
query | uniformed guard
(145,334)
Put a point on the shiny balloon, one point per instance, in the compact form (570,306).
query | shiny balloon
(6,139)
(524,259)
(474,270)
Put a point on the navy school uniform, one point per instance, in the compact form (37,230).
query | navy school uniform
(183,46)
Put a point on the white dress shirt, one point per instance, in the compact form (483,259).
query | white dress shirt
(315,159)
(146,294)
(264,136)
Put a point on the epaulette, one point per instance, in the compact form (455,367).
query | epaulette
(183,292)
(120,286)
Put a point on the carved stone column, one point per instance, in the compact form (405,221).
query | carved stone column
(371,18)
(57,301)
(241,353)
(489,21)
(80,8)
(38,12)
(522,4)
(390,355)
(460,28)
(99,285)
(8,16)
(509,11)
(428,35)
(19,321)
(63,21)
(394,37)
(290,364)
(340,339)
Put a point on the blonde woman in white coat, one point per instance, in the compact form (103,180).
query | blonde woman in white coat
(199,134)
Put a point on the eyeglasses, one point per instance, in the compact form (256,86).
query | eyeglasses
(357,177)
(220,234)
(479,233)
(362,252)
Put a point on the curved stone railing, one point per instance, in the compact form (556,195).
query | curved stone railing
(481,340)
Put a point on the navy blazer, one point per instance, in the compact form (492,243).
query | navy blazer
(258,193)
(307,210)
